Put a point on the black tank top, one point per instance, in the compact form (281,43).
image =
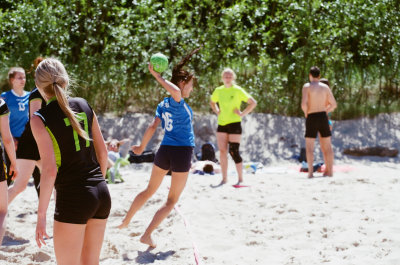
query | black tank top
(35,95)
(75,157)
(3,107)
(3,111)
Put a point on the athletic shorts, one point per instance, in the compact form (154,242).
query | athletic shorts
(7,164)
(77,204)
(2,169)
(174,158)
(231,128)
(317,123)
(27,147)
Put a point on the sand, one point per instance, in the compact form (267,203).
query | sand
(281,218)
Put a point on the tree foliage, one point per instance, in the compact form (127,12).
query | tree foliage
(271,44)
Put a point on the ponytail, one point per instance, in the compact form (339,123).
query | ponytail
(51,78)
(178,74)
(63,103)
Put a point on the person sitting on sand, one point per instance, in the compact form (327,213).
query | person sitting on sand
(113,146)
(115,160)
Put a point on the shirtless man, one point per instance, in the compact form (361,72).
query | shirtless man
(317,101)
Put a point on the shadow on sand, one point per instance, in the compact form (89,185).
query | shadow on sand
(11,240)
(146,257)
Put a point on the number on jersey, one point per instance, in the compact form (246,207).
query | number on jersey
(167,121)
(80,117)
(21,106)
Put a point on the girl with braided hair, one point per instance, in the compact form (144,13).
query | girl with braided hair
(176,149)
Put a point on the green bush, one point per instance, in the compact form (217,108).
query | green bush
(106,45)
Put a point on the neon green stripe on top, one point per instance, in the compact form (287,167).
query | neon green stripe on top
(51,100)
(57,152)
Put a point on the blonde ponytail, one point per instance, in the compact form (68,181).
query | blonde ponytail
(63,103)
(52,79)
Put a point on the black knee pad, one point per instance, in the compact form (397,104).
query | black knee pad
(234,152)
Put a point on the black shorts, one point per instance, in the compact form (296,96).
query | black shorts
(27,147)
(317,123)
(7,164)
(77,204)
(174,158)
(3,169)
(231,128)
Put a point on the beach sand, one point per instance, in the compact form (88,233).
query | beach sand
(281,218)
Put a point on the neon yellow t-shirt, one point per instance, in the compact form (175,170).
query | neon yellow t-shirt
(228,99)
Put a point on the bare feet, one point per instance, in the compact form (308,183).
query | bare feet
(219,185)
(328,173)
(310,175)
(123,225)
(146,239)
(239,183)
(222,182)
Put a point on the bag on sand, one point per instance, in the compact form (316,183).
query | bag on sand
(146,156)
(208,152)
(303,156)
(317,167)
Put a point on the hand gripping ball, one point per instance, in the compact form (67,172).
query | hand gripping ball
(159,62)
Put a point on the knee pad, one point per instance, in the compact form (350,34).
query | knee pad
(234,152)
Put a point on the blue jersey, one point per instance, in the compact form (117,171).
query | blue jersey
(176,121)
(19,111)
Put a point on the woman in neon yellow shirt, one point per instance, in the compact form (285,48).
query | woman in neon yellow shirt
(229,98)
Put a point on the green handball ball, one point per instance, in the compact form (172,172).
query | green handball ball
(159,62)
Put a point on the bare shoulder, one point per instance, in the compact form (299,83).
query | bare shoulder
(306,87)
(324,85)
(36,123)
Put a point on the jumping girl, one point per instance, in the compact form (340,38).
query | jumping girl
(175,152)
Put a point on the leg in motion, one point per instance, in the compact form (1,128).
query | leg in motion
(178,182)
(156,178)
